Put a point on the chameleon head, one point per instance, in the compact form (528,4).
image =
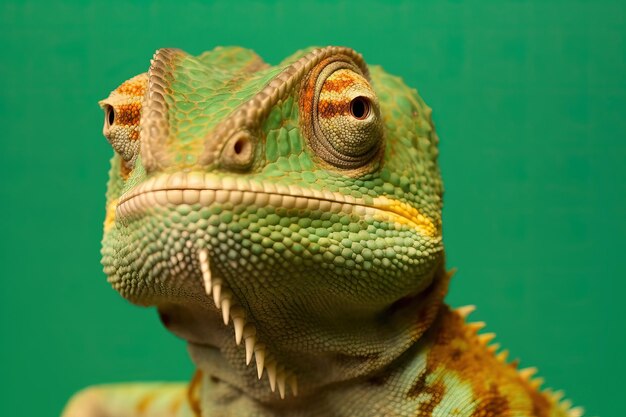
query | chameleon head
(299,203)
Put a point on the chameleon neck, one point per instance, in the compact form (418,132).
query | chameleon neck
(324,377)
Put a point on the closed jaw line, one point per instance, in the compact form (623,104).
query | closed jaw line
(206,189)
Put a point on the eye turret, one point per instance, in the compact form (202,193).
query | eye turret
(341,115)
(122,116)
(109,115)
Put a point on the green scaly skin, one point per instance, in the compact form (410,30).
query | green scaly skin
(266,198)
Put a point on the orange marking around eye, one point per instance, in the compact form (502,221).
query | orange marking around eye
(336,96)
(331,108)
(128,114)
(338,83)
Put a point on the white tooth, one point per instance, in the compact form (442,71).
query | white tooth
(203,256)
(239,320)
(207,197)
(249,341)
(206,277)
(259,356)
(191,196)
(226,309)
(293,383)
(280,378)
(249,336)
(217,292)
(175,196)
(271,375)
(226,302)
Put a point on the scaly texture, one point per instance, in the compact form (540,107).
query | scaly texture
(290,217)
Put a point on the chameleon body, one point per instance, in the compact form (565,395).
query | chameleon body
(286,221)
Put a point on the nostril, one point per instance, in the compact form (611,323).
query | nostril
(165,318)
(240,145)
(238,152)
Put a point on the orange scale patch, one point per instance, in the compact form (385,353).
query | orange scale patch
(339,84)
(498,388)
(128,114)
(328,109)
(343,79)
(134,87)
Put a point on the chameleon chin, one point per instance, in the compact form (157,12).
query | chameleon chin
(286,221)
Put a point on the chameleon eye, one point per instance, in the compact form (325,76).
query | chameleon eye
(109,114)
(360,108)
(342,119)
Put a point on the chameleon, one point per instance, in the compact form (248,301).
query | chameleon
(286,222)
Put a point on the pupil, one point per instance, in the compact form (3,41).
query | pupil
(359,107)
(239,145)
(110,115)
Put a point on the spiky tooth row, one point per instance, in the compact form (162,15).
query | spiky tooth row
(465,311)
(224,301)
(527,374)
(564,405)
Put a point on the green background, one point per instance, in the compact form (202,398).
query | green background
(530,104)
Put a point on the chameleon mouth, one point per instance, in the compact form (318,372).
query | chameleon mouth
(205,189)
(199,189)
